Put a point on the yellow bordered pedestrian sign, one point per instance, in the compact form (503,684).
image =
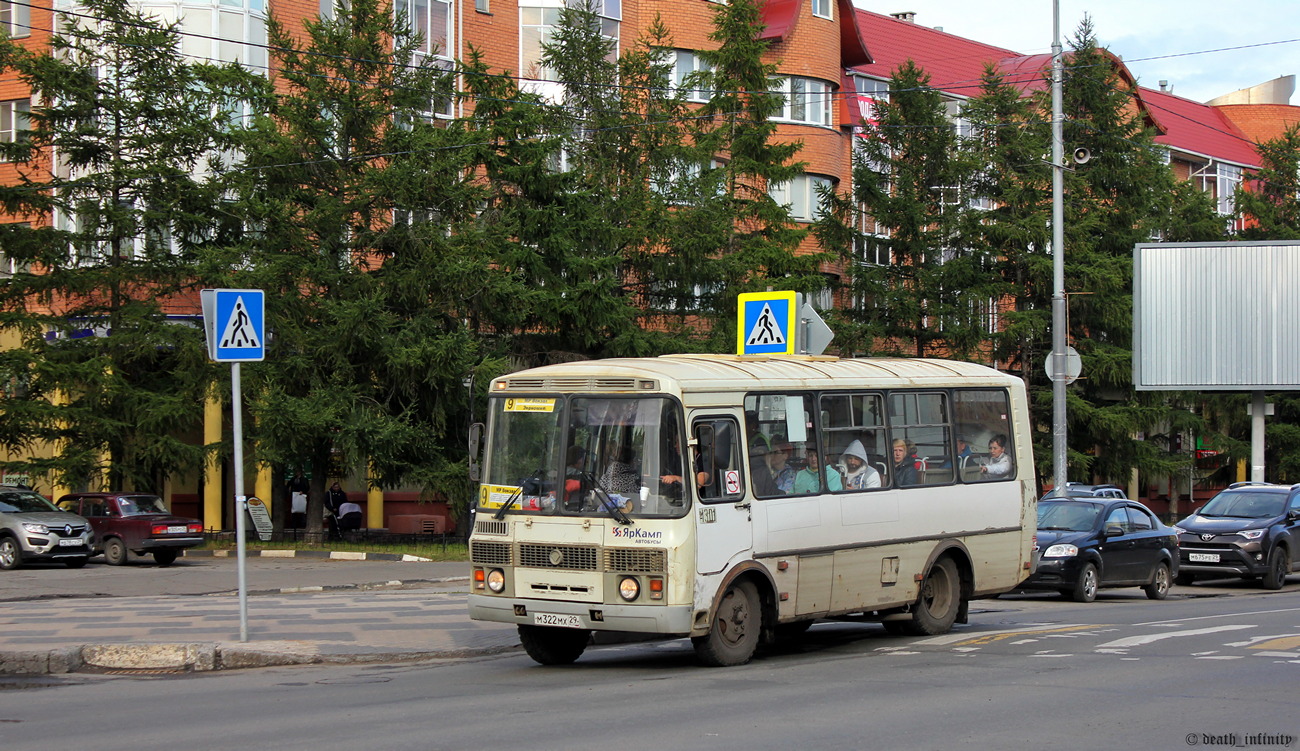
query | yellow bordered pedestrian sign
(765,323)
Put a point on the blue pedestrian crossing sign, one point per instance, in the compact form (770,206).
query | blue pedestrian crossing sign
(235,322)
(766,323)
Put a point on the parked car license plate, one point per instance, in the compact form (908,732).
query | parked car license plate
(69,543)
(551,619)
(1203,557)
(179,529)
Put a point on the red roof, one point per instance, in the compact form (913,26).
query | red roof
(1199,129)
(956,65)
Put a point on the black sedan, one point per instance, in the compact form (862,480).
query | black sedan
(1094,543)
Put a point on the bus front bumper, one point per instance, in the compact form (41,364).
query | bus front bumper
(641,619)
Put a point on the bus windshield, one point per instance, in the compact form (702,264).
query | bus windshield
(585,456)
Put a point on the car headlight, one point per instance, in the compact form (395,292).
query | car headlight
(36,529)
(629,588)
(496,580)
(1061,551)
(1251,534)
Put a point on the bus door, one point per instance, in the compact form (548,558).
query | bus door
(722,515)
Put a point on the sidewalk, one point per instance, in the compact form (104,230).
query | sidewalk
(386,621)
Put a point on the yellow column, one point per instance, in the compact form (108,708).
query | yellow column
(212,472)
(262,485)
(374,504)
(58,490)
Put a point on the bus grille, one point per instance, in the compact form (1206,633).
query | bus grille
(490,553)
(572,384)
(535,555)
(635,561)
(491,527)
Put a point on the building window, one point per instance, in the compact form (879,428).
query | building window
(227,31)
(871,91)
(481,6)
(431,20)
(1228,179)
(802,196)
(807,100)
(14,123)
(688,71)
(15,18)
(821,8)
(537,22)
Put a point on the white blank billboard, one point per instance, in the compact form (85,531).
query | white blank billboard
(1216,316)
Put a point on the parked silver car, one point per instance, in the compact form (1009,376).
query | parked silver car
(33,529)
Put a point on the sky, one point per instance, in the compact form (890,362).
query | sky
(1184,42)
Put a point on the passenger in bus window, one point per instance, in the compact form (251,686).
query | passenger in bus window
(574,474)
(999,461)
(620,476)
(778,461)
(761,474)
(806,480)
(904,464)
(858,473)
(671,478)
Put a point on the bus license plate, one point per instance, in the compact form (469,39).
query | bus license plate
(551,619)
(1203,557)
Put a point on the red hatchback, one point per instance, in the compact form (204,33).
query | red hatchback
(135,522)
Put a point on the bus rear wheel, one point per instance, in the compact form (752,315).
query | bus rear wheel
(549,645)
(939,601)
(733,637)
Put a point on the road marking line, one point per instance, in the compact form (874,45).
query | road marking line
(1225,615)
(989,637)
(1137,641)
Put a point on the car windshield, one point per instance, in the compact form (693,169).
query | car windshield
(1068,516)
(15,502)
(135,505)
(1245,504)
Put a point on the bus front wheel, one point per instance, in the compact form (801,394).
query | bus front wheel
(733,637)
(939,600)
(550,645)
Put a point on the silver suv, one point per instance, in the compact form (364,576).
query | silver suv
(33,529)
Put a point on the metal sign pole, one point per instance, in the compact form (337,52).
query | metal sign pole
(237,428)
(1060,471)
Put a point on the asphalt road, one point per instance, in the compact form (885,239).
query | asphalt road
(1028,672)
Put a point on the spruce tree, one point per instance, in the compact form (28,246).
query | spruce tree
(364,232)
(914,182)
(1269,201)
(119,185)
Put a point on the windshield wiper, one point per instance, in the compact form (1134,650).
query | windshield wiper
(533,478)
(609,504)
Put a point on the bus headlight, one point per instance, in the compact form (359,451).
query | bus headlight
(496,580)
(629,588)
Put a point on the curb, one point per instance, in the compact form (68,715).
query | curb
(332,555)
(208,656)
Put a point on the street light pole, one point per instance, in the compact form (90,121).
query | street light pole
(1059,469)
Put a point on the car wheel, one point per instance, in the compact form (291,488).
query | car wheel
(11,556)
(1184,580)
(114,552)
(1159,586)
(1279,565)
(75,563)
(734,634)
(164,557)
(940,599)
(1085,589)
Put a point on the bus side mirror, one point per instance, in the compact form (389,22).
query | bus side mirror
(475,436)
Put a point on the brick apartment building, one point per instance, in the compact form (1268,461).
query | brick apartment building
(835,59)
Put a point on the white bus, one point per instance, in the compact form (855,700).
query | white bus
(735,500)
